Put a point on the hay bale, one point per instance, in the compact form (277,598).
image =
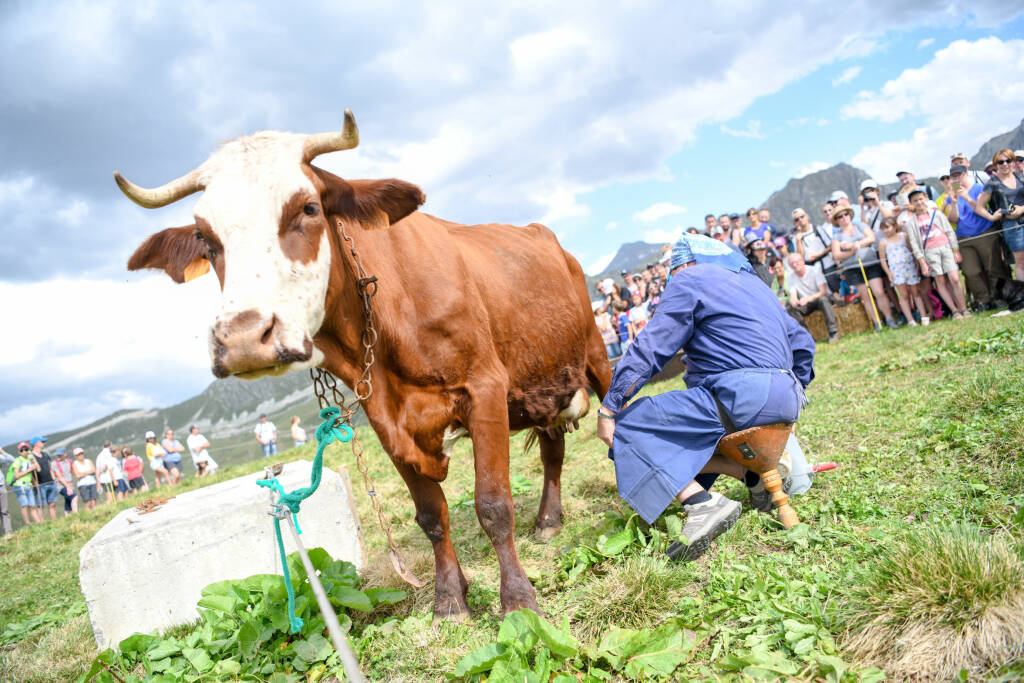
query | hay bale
(851,318)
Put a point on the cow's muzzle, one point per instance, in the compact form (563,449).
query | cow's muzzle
(248,344)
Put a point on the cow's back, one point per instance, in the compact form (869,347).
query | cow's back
(507,288)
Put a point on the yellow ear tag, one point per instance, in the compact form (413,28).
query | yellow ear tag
(199,266)
(378,221)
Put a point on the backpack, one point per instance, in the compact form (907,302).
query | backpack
(11,470)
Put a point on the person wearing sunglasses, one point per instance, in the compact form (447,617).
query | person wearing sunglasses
(980,243)
(1006,190)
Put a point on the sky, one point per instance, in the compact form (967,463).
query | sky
(608,122)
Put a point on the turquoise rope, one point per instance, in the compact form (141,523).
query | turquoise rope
(326,433)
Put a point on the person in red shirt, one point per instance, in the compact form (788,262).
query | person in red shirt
(132,466)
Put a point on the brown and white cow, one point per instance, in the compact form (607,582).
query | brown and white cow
(483,329)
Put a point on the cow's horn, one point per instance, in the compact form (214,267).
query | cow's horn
(159,196)
(322,143)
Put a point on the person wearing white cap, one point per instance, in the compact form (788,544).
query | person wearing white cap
(85,475)
(839,198)
(155,454)
(1018,162)
(908,183)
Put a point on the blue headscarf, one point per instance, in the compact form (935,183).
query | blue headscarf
(703,249)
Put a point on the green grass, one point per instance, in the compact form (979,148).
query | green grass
(927,425)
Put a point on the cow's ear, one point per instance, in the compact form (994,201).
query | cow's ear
(374,203)
(176,251)
(396,198)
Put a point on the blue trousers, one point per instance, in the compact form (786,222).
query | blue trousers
(662,442)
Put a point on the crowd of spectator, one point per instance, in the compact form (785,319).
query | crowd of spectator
(38,478)
(901,256)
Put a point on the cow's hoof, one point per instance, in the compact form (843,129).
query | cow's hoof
(530,606)
(452,615)
(543,534)
(518,595)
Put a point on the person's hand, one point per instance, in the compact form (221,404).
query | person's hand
(957,256)
(924,268)
(606,430)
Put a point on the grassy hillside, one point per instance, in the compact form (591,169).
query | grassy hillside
(927,425)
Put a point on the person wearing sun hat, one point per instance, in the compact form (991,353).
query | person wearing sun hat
(854,253)
(743,354)
(155,455)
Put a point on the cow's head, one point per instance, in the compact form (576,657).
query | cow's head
(264,223)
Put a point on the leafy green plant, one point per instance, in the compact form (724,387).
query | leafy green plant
(15,631)
(530,649)
(243,630)
(617,536)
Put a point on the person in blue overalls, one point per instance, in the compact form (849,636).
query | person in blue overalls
(747,363)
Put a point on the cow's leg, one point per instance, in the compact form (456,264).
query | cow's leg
(488,427)
(432,515)
(549,517)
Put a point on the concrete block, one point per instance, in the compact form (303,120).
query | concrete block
(145,571)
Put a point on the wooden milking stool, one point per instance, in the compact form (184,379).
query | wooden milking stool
(758,449)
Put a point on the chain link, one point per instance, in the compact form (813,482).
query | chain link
(324,382)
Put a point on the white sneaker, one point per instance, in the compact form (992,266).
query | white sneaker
(913,323)
(704,522)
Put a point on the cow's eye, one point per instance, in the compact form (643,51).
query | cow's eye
(311,209)
(211,252)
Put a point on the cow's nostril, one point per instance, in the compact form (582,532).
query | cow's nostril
(269,332)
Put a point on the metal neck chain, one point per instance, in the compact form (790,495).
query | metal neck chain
(324,382)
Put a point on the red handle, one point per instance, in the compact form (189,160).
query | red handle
(824,467)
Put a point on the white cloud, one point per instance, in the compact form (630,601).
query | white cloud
(600,264)
(847,76)
(753,130)
(925,43)
(104,344)
(561,203)
(858,46)
(812,167)
(73,214)
(38,418)
(655,236)
(95,328)
(985,102)
(655,212)
(512,113)
(778,164)
(611,225)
